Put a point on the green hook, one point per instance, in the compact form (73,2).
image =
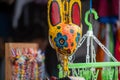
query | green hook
(86,18)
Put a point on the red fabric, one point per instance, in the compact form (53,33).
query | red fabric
(53,78)
(117,47)
(55,13)
(76,14)
(106,7)
(117,52)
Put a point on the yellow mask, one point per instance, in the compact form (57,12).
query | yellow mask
(65,28)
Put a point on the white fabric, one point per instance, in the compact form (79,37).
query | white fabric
(18,10)
(107,41)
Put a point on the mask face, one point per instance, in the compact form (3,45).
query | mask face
(65,28)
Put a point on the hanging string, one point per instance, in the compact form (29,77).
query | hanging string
(91,11)
(119,11)
(90,6)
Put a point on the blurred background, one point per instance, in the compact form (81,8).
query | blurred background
(26,21)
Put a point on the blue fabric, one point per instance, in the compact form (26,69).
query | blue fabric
(111,20)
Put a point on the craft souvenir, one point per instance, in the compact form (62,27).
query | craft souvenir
(25,64)
(65,28)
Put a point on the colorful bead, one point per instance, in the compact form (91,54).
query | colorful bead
(25,65)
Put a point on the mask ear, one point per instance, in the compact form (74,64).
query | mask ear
(54,12)
(75,7)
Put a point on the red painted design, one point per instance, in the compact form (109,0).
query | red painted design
(76,14)
(55,13)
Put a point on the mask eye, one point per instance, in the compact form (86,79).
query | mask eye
(55,13)
(76,14)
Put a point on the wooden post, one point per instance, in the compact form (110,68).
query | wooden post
(8,46)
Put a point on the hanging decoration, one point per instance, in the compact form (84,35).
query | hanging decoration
(88,70)
(65,28)
(26,64)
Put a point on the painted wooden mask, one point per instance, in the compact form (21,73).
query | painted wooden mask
(65,28)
